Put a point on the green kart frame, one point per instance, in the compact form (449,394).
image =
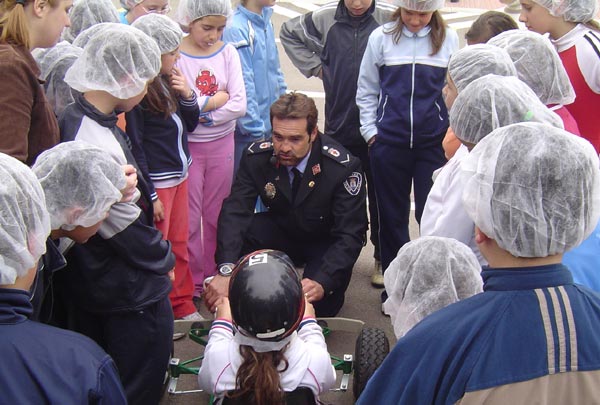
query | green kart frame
(372,346)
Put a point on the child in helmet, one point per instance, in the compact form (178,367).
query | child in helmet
(265,340)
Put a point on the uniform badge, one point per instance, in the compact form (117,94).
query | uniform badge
(334,152)
(270,190)
(316,169)
(264,145)
(311,184)
(353,183)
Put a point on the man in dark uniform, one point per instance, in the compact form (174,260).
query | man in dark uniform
(314,192)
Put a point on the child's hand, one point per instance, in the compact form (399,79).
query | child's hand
(179,84)
(223,309)
(128,191)
(159,210)
(220,99)
(309,309)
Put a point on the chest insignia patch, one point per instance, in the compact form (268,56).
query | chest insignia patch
(270,190)
(316,169)
(353,183)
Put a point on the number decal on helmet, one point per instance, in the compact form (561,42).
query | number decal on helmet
(260,258)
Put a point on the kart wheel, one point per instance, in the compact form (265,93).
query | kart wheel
(371,348)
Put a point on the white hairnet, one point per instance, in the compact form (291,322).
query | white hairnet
(533,188)
(492,102)
(579,11)
(24,221)
(475,61)
(54,63)
(189,11)
(119,60)
(549,80)
(129,4)
(86,13)
(162,29)
(84,36)
(428,274)
(420,5)
(81,183)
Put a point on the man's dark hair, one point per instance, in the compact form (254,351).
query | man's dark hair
(296,105)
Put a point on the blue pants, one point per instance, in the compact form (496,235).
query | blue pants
(395,169)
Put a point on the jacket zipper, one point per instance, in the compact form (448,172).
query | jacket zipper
(412,90)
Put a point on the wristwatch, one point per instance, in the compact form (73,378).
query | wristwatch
(226,269)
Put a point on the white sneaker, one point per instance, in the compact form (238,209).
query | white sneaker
(194,316)
(377,277)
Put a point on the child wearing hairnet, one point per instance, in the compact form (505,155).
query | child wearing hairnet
(576,36)
(214,70)
(80,182)
(428,274)
(487,103)
(486,26)
(158,128)
(533,192)
(251,32)
(40,363)
(87,13)
(117,284)
(133,9)
(402,113)
(549,80)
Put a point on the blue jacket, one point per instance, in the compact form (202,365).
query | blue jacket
(399,93)
(254,38)
(46,365)
(530,337)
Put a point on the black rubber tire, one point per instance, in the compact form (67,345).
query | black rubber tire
(372,346)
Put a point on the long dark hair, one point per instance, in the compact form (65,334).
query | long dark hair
(258,380)
(437,34)
(161,98)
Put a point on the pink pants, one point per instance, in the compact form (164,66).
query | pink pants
(175,228)
(210,176)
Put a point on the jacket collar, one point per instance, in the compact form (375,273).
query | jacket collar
(105,120)
(259,19)
(14,306)
(422,33)
(525,278)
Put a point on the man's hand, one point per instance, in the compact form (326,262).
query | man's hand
(313,291)
(217,288)
(159,210)
(131,183)
(171,275)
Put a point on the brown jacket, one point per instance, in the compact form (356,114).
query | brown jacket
(28,125)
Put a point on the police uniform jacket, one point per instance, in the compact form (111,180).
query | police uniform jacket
(329,206)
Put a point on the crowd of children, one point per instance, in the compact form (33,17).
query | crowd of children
(120,143)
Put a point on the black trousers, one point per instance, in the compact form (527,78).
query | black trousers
(265,233)
(140,342)
(362,153)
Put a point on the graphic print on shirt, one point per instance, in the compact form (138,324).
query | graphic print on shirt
(206,82)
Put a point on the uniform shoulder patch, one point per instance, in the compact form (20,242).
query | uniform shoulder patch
(258,147)
(353,183)
(340,155)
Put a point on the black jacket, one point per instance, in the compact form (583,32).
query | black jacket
(332,41)
(330,206)
(159,148)
(124,266)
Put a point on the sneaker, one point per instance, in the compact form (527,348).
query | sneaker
(384,298)
(377,277)
(194,316)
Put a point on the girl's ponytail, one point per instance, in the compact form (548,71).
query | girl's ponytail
(13,23)
(257,380)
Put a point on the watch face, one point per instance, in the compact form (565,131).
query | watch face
(225,270)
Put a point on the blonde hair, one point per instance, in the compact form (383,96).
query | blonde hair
(13,23)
